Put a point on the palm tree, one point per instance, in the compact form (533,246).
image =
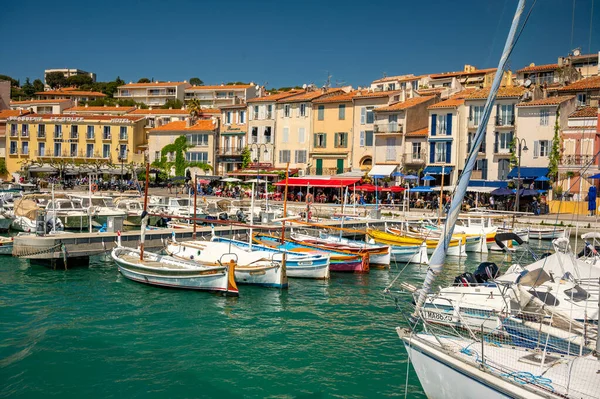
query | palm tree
(195,108)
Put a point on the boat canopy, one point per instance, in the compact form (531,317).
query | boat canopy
(317,182)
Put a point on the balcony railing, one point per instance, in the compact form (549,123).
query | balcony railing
(473,123)
(388,128)
(505,120)
(501,151)
(106,136)
(90,136)
(230,150)
(14,133)
(58,135)
(576,160)
(414,157)
(481,149)
(41,135)
(24,133)
(327,171)
(123,137)
(68,154)
(74,135)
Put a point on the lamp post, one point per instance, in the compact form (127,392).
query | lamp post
(521,145)
(122,155)
(256,160)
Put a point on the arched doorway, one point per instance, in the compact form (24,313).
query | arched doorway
(366,163)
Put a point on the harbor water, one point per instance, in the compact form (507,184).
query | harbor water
(89,332)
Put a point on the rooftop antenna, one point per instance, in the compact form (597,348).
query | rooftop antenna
(328,81)
(304,86)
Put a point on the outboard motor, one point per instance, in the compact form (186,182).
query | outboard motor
(223,216)
(486,271)
(464,280)
(40,223)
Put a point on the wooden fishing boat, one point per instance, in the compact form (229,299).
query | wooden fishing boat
(314,266)
(549,233)
(251,267)
(379,255)
(340,261)
(166,271)
(6,245)
(402,252)
(455,248)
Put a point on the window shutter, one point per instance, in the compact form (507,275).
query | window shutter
(497,113)
(362,138)
(448,151)
(484,170)
(324,140)
(471,113)
(363,115)
(469,142)
(511,136)
(496,136)
(449,124)
(369,138)
(536,149)
(431,152)
(315,140)
(433,123)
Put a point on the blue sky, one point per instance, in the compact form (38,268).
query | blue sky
(282,42)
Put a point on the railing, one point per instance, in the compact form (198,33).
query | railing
(58,135)
(74,135)
(90,136)
(123,137)
(327,171)
(24,133)
(269,115)
(14,151)
(481,148)
(14,133)
(106,136)
(508,120)
(473,124)
(414,157)
(68,154)
(388,128)
(230,151)
(501,151)
(41,135)
(576,159)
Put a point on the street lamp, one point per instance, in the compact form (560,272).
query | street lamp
(521,145)
(122,156)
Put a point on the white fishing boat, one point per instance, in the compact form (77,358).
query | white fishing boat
(546,233)
(100,207)
(255,268)
(166,271)
(6,245)
(26,212)
(133,210)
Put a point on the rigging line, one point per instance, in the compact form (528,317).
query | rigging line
(572,25)
(487,60)
(591,26)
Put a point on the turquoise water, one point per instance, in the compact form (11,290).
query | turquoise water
(91,333)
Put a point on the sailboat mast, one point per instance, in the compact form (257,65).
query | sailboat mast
(144,213)
(436,262)
(285,194)
(195,204)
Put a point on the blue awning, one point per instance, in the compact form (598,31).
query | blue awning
(421,189)
(437,170)
(488,183)
(528,172)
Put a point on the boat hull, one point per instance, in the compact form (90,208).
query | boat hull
(407,254)
(273,276)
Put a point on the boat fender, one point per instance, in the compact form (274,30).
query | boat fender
(94,187)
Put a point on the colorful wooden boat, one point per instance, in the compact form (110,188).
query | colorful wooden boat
(455,248)
(340,261)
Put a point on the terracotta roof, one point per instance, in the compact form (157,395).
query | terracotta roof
(101,109)
(399,78)
(434,90)
(411,102)
(586,112)
(152,84)
(210,111)
(454,101)
(418,133)
(89,117)
(202,124)
(593,82)
(6,113)
(61,100)
(218,87)
(503,92)
(546,101)
(70,92)
(308,95)
(539,68)
(375,94)
(234,106)
(274,97)
(461,73)
(336,98)
(160,111)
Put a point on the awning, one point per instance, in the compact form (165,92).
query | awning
(421,189)
(313,182)
(488,183)
(382,170)
(528,172)
(43,169)
(437,170)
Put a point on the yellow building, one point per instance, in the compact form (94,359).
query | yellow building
(331,145)
(49,139)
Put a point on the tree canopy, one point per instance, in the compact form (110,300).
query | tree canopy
(79,80)
(196,81)
(144,80)
(173,103)
(38,85)
(56,80)
(28,89)
(178,147)
(13,82)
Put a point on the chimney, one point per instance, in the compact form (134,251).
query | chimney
(86,105)
(403,95)
(188,122)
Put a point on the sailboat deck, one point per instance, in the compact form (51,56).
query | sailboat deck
(151,263)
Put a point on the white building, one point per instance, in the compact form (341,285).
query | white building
(153,93)
(56,106)
(68,72)
(222,95)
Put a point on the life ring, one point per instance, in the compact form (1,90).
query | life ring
(94,187)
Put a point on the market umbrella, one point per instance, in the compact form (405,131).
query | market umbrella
(502,191)
(592,199)
(525,192)
(398,174)
(231,180)
(542,178)
(203,181)
(428,178)
(596,176)
(257,181)
(396,189)
(410,177)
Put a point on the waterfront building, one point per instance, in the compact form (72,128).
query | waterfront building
(75,139)
(153,93)
(231,138)
(4,115)
(68,72)
(57,106)
(393,124)
(401,82)
(102,110)
(586,90)
(580,145)
(261,126)
(363,140)
(294,127)
(332,134)
(68,93)
(469,77)
(201,137)
(222,95)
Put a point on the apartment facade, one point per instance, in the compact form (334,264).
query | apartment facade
(103,110)
(4,115)
(75,95)
(231,138)
(48,138)
(587,91)
(68,72)
(42,106)
(469,77)
(222,95)
(402,82)
(153,93)
(201,136)
(392,124)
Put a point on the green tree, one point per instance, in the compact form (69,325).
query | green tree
(246,157)
(554,157)
(28,88)
(194,107)
(196,81)
(178,147)
(3,170)
(144,80)
(56,80)
(79,80)
(38,85)
(173,103)
(13,82)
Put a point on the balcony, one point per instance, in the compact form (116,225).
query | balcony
(473,123)
(123,137)
(90,136)
(576,160)
(67,154)
(501,151)
(327,171)
(505,121)
(14,133)
(388,128)
(74,135)
(25,133)
(414,158)
(230,150)
(481,149)
(106,136)
(41,135)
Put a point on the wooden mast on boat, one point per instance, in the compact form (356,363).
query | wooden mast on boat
(285,194)
(195,204)
(144,213)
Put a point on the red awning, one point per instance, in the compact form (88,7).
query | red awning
(371,188)
(314,182)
